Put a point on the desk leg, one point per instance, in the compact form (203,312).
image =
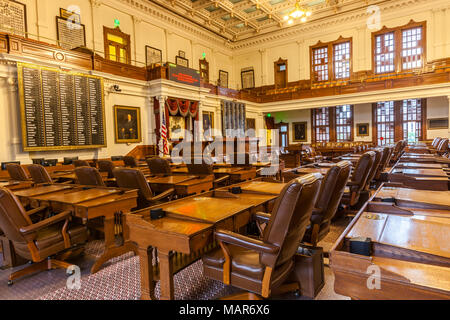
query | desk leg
(166,274)
(111,250)
(147,282)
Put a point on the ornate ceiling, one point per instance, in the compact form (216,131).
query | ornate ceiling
(242,19)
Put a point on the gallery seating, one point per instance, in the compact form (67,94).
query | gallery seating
(262,266)
(46,243)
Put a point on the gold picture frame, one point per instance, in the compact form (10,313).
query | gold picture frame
(362,130)
(300,131)
(127,123)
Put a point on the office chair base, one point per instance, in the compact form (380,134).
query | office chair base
(45,265)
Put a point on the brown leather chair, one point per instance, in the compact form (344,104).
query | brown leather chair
(200,168)
(435,143)
(130,161)
(384,162)
(106,166)
(359,179)
(260,266)
(442,147)
(39,242)
(310,155)
(159,166)
(89,176)
(397,151)
(330,195)
(16,172)
(134,179)
(38,174)
(374,169)
(80,163)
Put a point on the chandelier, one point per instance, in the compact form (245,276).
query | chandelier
(298,13)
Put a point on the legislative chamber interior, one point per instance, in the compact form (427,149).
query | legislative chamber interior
(224,150)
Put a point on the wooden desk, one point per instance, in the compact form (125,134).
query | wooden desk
(262,187)
(416,165)
(415,198)
(186,233)
(322,171)
(163,183)
(89,203)
(438,173)
(195,186)
(412,251)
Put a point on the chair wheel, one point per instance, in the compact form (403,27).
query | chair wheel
(10,283)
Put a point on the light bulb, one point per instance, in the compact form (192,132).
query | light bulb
(290,21)
(286,18)
(303,19)
(308,13)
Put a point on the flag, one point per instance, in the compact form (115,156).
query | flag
(164,135)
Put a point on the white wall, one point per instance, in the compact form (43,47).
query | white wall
(437,108)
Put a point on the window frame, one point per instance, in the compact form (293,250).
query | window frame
(332,124)
(117,32)
(331,66)
(398,46)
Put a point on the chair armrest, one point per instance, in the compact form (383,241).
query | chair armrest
(262,217)
(45,223)
(163,195)
(36,210)
(245,242)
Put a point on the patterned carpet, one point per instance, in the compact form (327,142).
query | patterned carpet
(120,279)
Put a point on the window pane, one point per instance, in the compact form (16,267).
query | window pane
(412,48)
(344,115)
(384,53)
(385,122)
(321,124)
(320,63)
(342,60)
(412,120)
(117,39)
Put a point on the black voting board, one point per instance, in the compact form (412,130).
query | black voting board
(60,110)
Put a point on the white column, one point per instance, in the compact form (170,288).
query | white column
(264,78)
(301,63)
(168,33)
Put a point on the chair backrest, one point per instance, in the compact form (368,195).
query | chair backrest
(39,174)
(69,160)
(337,190)
(12,216)
(4,164)
(290,217)
(198,167)
(106,166)
(89,176)
(159,166)
(385,159)
(80,163)
(130,161)
(16,172)
(443,145)
(133,179)
(375,167)
(362,171)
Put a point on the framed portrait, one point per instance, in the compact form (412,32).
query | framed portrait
(362,129)
(182,61)
(208,122)
(223,79)
(300,131)
(438,123)
(70,34)
(152,56)
(127,122)
(177,125)
(182,54)
(248,78)
(13,18)
(70,15)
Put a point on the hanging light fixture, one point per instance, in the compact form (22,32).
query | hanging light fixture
(299,12)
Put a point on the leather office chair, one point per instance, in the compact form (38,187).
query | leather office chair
(442,147)
(374,169)
(130,161)
(261,266)
(330,195)
(39,242)
(385,160)
(397,151)
(358,179)
(435,143)
(80,163)
(134,179)
(38,174)
(202,169)
(106,166)
(16,172)
(159,166)
(310,155)
(89,176)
